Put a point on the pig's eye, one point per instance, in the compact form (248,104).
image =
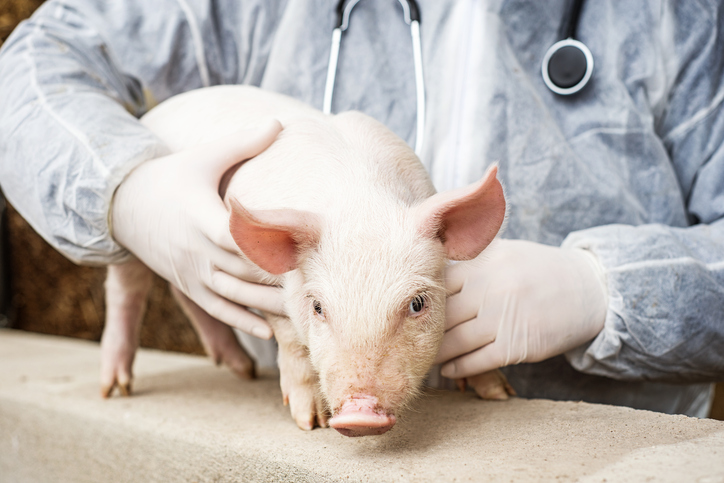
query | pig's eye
(417,305)
(318,308)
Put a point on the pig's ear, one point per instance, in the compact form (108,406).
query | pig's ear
(465,220)
(273,239)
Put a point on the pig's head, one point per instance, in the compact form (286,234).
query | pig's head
(365,288)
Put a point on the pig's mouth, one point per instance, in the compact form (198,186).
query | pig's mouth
(362,416)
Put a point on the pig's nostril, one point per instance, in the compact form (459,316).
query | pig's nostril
(360,416)
(362,429)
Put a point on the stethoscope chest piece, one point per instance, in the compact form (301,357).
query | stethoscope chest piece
(568,64)
(567,67)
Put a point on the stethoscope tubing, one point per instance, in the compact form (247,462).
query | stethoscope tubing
(419,85)
(412,18)
(332,70)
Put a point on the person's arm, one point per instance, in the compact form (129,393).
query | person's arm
(73,80)
(68,128)
(665,318)
(664,285)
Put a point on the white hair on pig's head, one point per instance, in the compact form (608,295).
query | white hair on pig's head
(369,301)
(364,283)
(352,294)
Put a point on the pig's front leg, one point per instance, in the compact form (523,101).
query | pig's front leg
(298,379)
(127,288)
(218,339)
(489,385)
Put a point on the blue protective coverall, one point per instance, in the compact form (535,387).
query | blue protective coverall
(631,168)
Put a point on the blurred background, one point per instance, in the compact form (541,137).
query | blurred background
(41,291)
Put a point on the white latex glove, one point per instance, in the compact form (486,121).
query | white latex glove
(520,302)
(169,214)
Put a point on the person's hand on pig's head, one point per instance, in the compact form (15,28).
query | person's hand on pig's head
(519,302)
(169,214)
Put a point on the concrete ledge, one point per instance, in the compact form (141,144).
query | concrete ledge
(190,421)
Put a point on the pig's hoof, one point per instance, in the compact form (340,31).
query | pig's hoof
(123,389)
(233,356)
(243,367)
(307,420)
(307,409)
(116,369)
(322,418)
(491,385)
(117,375)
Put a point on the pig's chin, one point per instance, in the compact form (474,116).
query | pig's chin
(362,415)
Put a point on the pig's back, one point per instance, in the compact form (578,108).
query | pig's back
(324,164)
(204,115)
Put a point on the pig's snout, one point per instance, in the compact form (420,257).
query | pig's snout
(362,416)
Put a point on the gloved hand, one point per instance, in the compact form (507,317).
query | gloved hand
(520,302)
(169,214)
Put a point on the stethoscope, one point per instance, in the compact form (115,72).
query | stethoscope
(412,18)
(567,65)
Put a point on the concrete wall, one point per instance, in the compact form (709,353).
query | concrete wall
(190,421)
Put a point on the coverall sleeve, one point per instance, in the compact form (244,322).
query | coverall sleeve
(665,319)
(75,77)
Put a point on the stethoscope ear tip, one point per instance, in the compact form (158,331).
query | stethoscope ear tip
(567,67)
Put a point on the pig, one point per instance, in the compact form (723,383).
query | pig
(339,212)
